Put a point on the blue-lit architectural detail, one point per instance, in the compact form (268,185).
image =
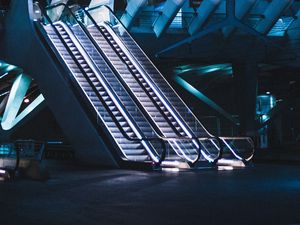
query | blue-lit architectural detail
(264,104)
(15,97)
(281,26)
(12,116)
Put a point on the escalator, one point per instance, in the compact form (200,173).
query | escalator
(157,87)
(161,116)
(132,83)
(113,104)
(127,134)
(122,76)
(118,82)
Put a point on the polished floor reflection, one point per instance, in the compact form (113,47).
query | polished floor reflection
(263,194)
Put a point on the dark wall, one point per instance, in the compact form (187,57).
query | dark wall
(42,127)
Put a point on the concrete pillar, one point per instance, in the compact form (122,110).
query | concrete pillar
(242,8)
(245,76)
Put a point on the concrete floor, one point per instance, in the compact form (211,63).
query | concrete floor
(263,194)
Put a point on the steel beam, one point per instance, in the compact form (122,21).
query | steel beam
(203,13)
(132,10)
(293,31)
(243,7)
(231,22)
(271,15)
(170,9)
(198,94)
(12,116)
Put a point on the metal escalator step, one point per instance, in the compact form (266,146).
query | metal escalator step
(116,112)
(110,103)
(113,124)
(114,108)
(132,145)
(140,158)
(99,106)
(134,152)
(106,97)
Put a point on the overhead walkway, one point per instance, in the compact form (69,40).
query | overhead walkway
(136,113)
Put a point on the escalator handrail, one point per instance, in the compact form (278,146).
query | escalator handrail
(221,140)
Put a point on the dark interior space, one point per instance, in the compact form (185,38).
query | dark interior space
(149,112)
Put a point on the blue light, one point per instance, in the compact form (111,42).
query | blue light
(281,26)
(16,96)
(177,21)
(223,69)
